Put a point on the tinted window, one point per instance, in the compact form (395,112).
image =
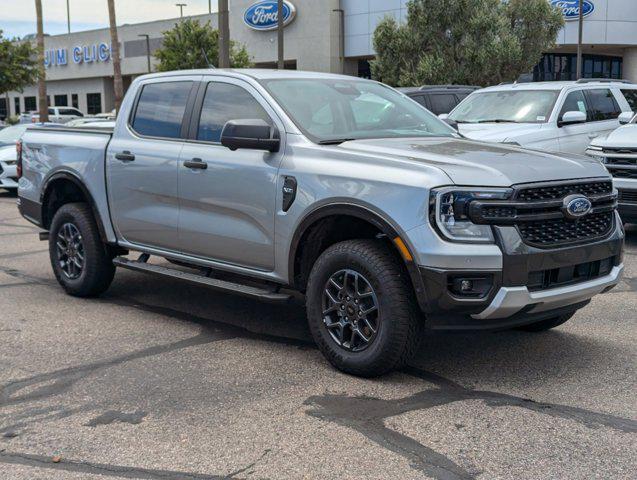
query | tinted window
(631,98)
(224,102)
(94,103)
(574,102)
(602,105)
(442,102)
(160,109)
(420,99)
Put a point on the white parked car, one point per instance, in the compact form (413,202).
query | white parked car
(59,115)
(618,151)
(554,116)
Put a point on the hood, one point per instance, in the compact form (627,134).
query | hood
(624,136)
(497,132)
(469,162)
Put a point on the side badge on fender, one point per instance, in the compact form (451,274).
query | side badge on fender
(289,192)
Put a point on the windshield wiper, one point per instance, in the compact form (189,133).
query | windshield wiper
(335,141)
(497,120)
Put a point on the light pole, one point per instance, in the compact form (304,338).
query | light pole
(224,35)
(147,48)
(68,16)
(579,39)
(209,6)
(181,8)
(279,31)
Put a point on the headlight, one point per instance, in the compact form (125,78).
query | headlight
(450,207)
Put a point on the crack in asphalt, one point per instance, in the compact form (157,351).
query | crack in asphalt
(367,416)
(92,468)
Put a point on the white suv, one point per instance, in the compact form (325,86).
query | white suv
(555,116)
(59,115)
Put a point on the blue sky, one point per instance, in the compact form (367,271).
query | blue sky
(17,17)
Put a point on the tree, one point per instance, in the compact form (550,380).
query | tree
(18,65)
(479,42)
(192,45)
(43,104)
(118,85)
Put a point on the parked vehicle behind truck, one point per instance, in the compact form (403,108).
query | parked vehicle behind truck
(618,152)
(343,189)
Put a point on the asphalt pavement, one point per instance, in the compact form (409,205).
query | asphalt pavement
(163,380)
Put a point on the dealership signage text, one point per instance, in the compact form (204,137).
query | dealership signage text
(264,15)
(570,8)
(59,57)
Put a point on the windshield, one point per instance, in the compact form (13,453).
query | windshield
(519,106)
(12,134)
(331,111)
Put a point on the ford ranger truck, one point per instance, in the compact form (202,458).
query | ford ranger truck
(262,183)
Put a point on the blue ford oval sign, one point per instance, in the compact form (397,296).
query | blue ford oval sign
(264,15)
(576,206)
(570,8)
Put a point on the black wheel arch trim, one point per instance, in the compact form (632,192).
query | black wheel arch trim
(73,178)
(364,213)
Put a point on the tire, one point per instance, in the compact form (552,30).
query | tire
(547,324)
(76,221)
(393,329)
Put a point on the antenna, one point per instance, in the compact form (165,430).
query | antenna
(205,57)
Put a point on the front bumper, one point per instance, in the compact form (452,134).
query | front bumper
(8,176)
(515,297)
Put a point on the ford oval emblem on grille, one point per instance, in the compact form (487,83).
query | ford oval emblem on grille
(576,206)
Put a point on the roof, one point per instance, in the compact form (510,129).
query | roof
(256,73)
(430,88)
(557,85)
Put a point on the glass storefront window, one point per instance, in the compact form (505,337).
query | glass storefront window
(563,66)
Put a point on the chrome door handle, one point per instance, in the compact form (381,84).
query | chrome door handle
(196,163)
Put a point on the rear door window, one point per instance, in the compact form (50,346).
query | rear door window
(602,105)
(631,98)
(442,102)
(420,99)
(160,109)
(224,102)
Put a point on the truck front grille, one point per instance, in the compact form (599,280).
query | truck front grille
(622,162)
(538,213)
(551,233)
(628,196)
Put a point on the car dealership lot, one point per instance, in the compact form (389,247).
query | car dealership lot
(157,379)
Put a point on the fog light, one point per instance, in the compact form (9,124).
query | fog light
(471,287)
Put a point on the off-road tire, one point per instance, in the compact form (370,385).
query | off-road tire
(98,269)
(547,324)
(400,324)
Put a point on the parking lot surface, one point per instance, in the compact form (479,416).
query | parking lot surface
(163,380)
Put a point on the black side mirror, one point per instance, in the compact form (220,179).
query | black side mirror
(254,134)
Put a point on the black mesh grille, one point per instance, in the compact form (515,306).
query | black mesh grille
(628,196)
(556,192)
(622,173)
(498,212)
(621,161)
(549,233)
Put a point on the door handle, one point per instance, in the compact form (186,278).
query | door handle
(196,163)
(125,156)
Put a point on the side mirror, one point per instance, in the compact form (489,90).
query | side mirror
(254,134)
(625,117)
(443,116)
(572,117)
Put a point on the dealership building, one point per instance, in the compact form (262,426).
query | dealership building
(326,35)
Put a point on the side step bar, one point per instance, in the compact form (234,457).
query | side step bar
(221,285)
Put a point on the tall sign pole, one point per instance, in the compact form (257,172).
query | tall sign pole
(68,16)
(224,35)
(579,39)
(279,29)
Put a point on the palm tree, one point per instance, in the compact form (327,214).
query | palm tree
(224,34)
(43,106)
(118,86)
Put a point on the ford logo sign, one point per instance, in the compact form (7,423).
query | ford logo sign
(576,206)
(570,8)
(265,16)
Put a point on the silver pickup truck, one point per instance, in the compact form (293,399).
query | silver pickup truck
(265,182)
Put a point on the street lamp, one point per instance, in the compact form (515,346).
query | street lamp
(181,8)
(68,16)
(147,48)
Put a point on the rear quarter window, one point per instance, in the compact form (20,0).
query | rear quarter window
(631,98)
(160,109)
(442,102)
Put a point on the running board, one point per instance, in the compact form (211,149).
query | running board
(214,283)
